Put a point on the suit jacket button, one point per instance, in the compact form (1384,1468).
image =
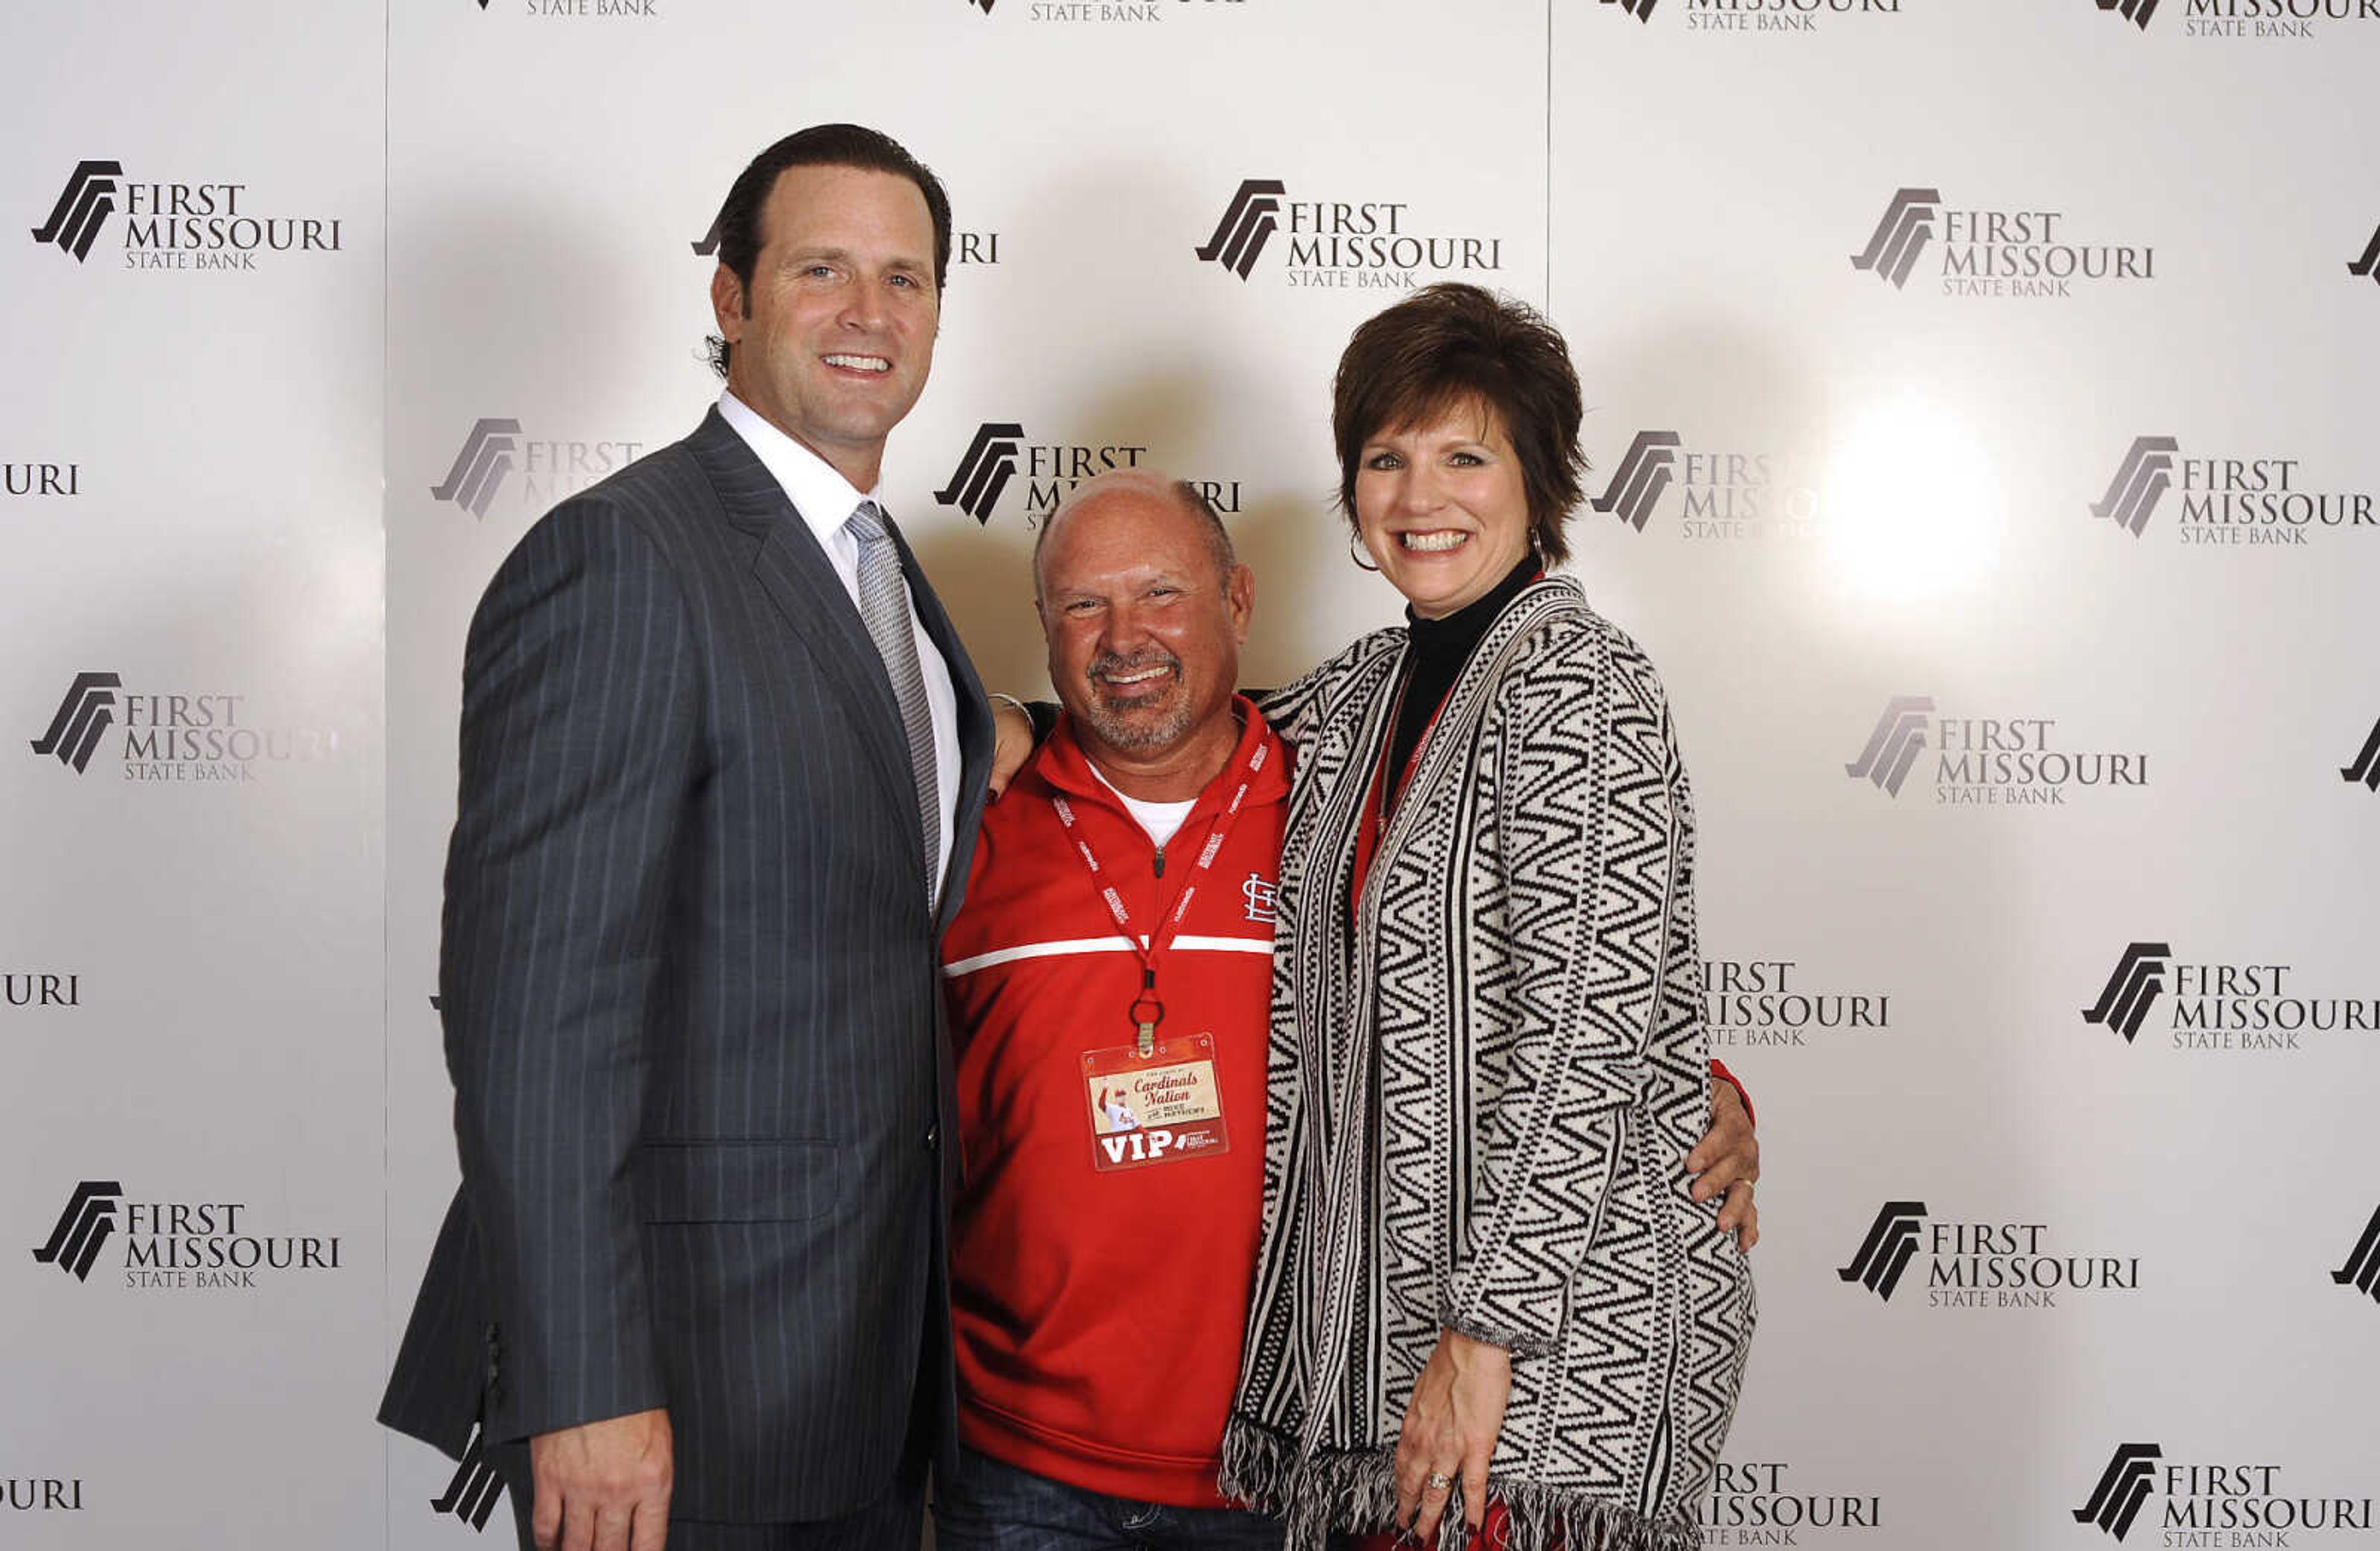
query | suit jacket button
(933,1137)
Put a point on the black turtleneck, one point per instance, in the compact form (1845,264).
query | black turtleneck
(1440,648)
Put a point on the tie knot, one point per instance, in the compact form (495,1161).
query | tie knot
(866,524)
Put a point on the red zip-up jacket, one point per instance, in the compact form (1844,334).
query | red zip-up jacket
(1097,1314)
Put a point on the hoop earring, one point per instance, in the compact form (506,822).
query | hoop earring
(1356,555)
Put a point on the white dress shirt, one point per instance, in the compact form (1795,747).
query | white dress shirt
(826,500)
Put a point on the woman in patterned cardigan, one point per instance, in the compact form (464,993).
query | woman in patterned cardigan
(1487,1294)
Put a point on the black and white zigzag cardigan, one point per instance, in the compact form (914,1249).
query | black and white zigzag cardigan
(1480,1105)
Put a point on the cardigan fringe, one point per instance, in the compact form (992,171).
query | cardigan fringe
(1356,1490)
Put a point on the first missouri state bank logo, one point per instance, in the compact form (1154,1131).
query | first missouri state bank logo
(2245,19)
(1758,16)
(985,469)
(2231,1003)
(2368,266)
(82,1229)
(172,737)
(1971,1265)
(1997,251)
(2230,1503)
(550,467)
(1113,10)
(1643,475)
(999,450)
(1751,1503)
(1900,236)
(480,469)
(1885,1253)
(178,1245)
(1985,761)
(82,208)
(1248,223)
(1340,243)
(2362,1271)
(170,225)
(649,9)
(1724,495)
(475,1489)
(2139,980)
(1899,737)
(83,717)
(2123,1487)
(2140,483)
(2365,770)
(2228,500)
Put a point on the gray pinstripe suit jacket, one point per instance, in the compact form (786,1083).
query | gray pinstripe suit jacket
(691,1013)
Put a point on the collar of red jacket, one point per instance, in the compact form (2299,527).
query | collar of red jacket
(1060,765)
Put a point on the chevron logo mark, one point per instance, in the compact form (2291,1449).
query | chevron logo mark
(2369,265)
(1885,1253)
(2362,1271)
(82,1229)
(984,6)
(1899,737)
(2125,1001)
(989,462)
(1645,473)
(475,1489)
(2146,473)
(1245,227)
(88,710)
(2137,13)
(2366,767)
(82,208)
(480,469)
(2123,1487)
(1900,236)
(1641,10)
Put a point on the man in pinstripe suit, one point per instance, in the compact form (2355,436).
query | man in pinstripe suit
(723,761)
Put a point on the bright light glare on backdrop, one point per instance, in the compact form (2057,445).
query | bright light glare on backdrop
(1911,503)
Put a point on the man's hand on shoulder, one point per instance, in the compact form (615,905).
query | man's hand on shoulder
(603,1485)
(1013,741)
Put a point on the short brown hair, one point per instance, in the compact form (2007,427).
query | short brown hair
(1445,347)
(822,145)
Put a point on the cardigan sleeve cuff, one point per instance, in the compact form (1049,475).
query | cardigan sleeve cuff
(1486,1331)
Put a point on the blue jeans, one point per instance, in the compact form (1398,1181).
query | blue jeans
(987,1506)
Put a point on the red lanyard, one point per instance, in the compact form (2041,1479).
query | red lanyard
(1147,1011)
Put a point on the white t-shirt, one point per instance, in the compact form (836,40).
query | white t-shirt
(1160,820)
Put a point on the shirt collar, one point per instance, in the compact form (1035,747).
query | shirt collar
(824,497)
(1061,762)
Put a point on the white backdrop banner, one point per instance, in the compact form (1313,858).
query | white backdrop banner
(1981,395)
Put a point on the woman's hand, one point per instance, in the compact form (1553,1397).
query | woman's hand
(1449,1433)
(1728,1158)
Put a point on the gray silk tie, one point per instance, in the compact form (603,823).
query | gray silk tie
(884,609)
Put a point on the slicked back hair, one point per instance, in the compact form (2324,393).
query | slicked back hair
(821,145)
(1449,347)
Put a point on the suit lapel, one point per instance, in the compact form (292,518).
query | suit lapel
(799,580)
